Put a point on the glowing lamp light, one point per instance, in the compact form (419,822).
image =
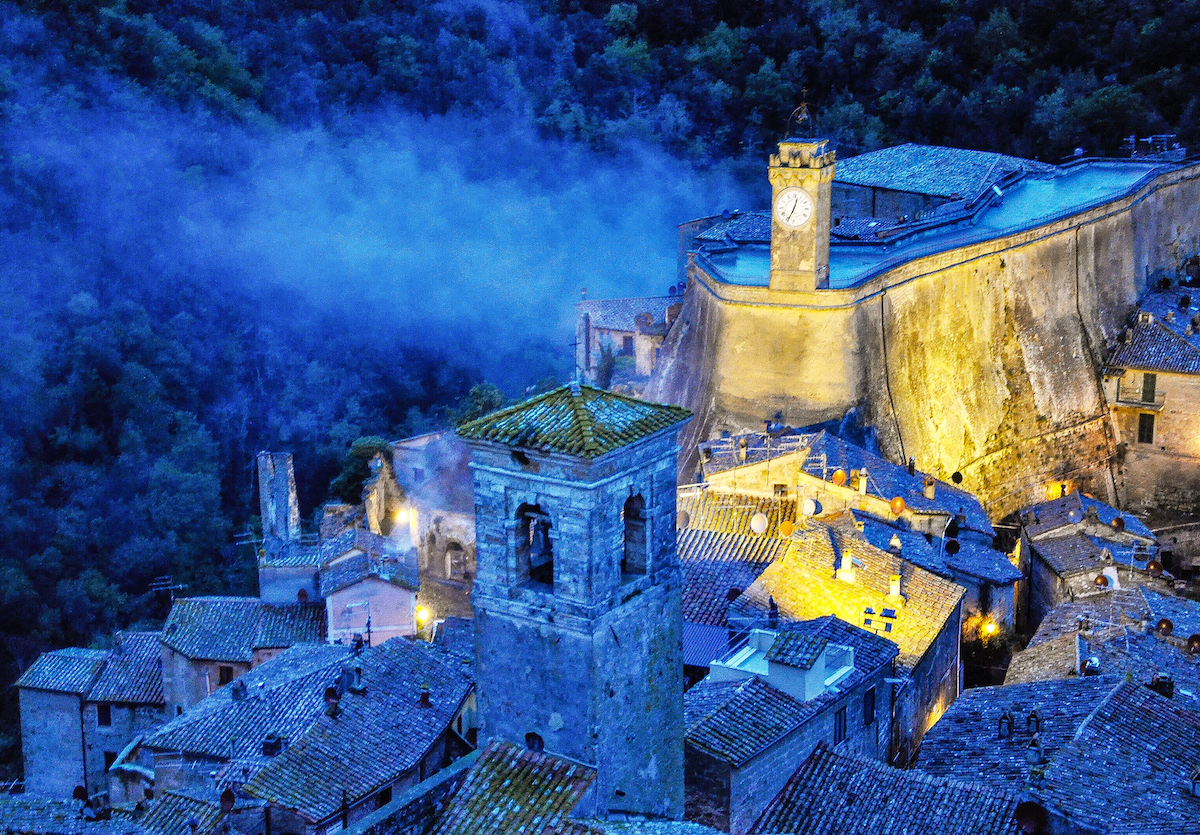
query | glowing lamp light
(989,628)
(422,616)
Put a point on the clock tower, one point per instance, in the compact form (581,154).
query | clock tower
(801,177)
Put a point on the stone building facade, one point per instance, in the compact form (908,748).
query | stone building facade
(577,600)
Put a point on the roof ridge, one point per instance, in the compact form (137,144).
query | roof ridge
(1159,322)
(584,417)
(1087,721)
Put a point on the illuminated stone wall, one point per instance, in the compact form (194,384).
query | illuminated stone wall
(983,359)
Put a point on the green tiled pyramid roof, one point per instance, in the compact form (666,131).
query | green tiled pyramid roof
(576,420)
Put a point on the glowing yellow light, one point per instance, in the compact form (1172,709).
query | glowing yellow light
(400,515)
(422,615)
(989,628)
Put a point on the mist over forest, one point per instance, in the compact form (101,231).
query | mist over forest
(233,226)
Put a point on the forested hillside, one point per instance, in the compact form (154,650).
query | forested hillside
(229,225)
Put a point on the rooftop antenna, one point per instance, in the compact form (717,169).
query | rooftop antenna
(165,583)
(801,115)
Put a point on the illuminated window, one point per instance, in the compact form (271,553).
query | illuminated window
(1145,429)
(839,726)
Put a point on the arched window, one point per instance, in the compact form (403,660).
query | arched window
(535,554)
(633,557)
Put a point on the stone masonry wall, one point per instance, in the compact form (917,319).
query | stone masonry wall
(983,359)
(51,742)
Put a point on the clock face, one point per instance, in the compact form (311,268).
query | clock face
(794,208)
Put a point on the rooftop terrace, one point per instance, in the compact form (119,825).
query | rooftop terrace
(1035,200)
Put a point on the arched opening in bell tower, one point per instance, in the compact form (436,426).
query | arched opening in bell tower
(535,551)
(633,556)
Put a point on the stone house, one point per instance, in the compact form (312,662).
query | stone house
(321,735)
(628,327)
(934,524)
(1075,545)
(1094,754)
(80,708)
(434,471)
(207,642)
(830,568)
(1152,386)
(763,709)
(369,587)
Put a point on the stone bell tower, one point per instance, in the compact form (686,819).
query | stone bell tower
(801,177)
(578,619)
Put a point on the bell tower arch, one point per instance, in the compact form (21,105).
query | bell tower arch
(578,619)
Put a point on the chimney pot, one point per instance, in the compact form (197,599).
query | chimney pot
(930,487)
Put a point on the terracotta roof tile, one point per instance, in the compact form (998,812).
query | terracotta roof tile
(25,815)
(621,314)
(831,794)
(70,670)
(231,628)
(583,421)
(132,671)
(932,170)
(1155,347)
(734,720)
(514,791)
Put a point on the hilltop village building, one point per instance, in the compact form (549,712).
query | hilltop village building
(961,300)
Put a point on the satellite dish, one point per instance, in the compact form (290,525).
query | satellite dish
(1101,581)
(898,505)
(682,519)
(786,527)
(1155,568)
(839,477)
(952,547)
(809,507)
(957,477)
(758,523)
(1164,627)
(1118,524)
(1193,645)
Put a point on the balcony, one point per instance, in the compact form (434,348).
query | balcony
(1132,398)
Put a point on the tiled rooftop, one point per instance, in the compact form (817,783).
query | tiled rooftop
(599,827)
(742,228)
(718,551)
(1079,552)
(231,628)
(832,795)
(347,571)
(70,670)
(132,672)
(514,791)
(823,454)
(796,649)
(383,732)
(932,170)
(1059,517)
(965,742)
(1122,650)
(1134,754)
(581,421)
(974,559)
(173,811)
(1109,607)
(26,815)
(621,314)
(292,555)
(803,586)
(1153,346)
(734,720)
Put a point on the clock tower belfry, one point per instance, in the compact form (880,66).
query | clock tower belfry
(801,177)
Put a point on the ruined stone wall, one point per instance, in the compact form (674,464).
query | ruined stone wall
(51,743)
(983,359)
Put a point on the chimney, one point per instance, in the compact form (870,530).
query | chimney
(332,697)
(357,685)
(912,466)
(894,596)
(425,698)
(862,481)
(930,487)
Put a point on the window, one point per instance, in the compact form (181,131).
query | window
(1149,382)
(224,674)
(839,726)
(633,558)
(535,550)
(104,715)
(1145,429)
(384,797)
(110,757)
(627,345)
(869,707)
(456,562)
